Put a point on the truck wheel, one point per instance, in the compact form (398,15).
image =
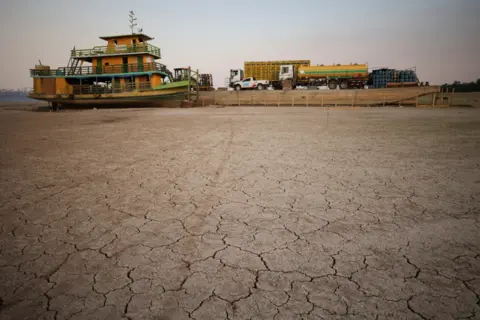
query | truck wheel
(260,86)
(332,85)
(344,84)
(238,87)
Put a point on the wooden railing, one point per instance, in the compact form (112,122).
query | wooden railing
(117,49)
(99,70)
(101,89)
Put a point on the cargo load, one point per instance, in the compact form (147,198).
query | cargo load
(289,74)
(383,78)
(344,76)
(269,70)
(345,71)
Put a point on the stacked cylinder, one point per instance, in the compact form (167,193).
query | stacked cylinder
(382,77)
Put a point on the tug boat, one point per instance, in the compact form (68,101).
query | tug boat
(124,72)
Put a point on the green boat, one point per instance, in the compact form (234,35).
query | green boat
(122,73)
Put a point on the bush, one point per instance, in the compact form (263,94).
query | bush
(463,87)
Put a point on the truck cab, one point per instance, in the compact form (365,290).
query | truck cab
(235,76)
(287,72)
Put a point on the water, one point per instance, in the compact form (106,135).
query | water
(16,98)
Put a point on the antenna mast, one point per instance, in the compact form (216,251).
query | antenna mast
(133,20)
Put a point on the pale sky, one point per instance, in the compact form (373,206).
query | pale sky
(441,38)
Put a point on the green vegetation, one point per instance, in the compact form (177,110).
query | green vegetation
(463,87)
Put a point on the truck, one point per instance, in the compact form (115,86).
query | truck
(267,71)
(294,73)
(250,83)
(346,76)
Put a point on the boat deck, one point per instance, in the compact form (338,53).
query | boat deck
(359,97)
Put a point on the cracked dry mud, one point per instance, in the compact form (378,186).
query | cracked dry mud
(240,213)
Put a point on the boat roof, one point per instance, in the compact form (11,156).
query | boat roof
(105,75)
(139,35)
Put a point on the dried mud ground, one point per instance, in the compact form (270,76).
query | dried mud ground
(240,213)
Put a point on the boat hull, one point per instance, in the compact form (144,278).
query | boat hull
(133,99)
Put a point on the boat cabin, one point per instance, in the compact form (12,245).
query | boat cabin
(126,63)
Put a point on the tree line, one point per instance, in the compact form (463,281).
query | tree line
(463,86)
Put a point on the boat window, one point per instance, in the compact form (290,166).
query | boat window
(134,41)
(107,64)
(140,40)
(115,42)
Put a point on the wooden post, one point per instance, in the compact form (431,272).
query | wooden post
(278,101)
(203,102)
(353,100)
(198,82)
(384,101)
(213,97)
(307,101)
(322,101)
(238,99)
(433,99)
(189,76)
(293,101)
(416,102)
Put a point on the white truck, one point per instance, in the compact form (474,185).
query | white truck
(237,82)
(251,83)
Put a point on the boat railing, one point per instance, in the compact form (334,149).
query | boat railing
(117,49)
(99,70)
(108,88)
